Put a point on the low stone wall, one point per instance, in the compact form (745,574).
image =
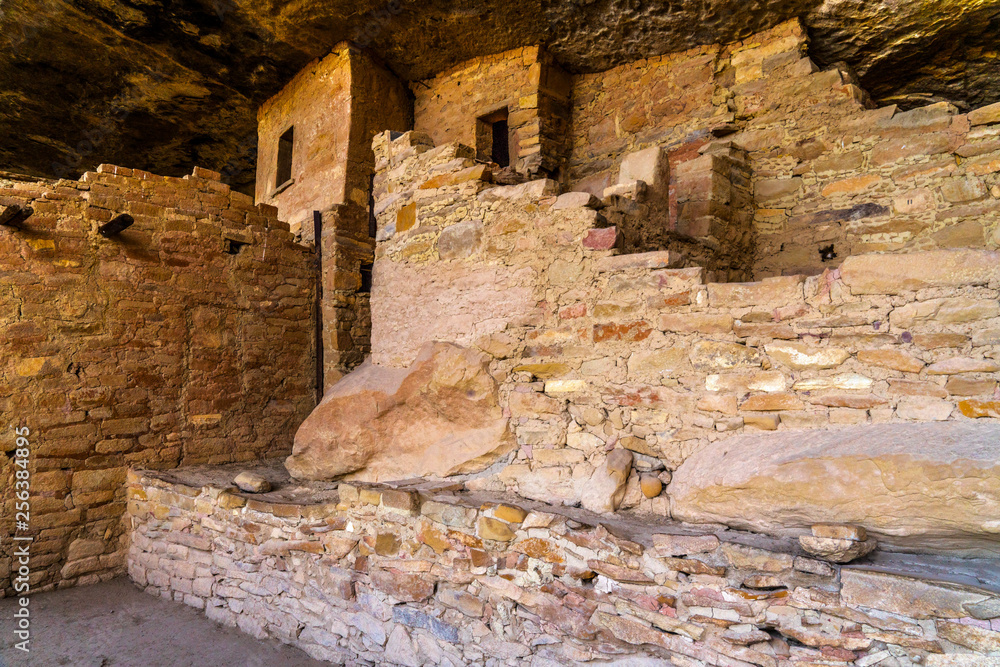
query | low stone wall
(188,338)
(432,575)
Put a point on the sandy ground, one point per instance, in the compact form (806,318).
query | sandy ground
(114,624)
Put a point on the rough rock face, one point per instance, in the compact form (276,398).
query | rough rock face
(161,86)
(933,486)
(438,417)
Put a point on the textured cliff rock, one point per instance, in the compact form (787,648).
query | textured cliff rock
(163,86)
(931,485)
(441,416)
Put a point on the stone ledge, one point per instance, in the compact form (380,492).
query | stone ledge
(921,487)
(894,274)
(660,259)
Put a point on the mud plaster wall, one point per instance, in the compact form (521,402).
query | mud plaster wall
(153,348)
(828,168)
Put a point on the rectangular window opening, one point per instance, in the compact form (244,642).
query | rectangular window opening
(366,279)
(285,143)
(493,138)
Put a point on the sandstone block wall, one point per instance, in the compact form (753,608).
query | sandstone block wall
(155,348)
(336,105)
(526,82)
(345,309)
(317,103)
(432,575)
(596,349)
(827,168)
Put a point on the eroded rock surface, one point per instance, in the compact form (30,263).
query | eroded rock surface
(932,486)
(438,417)
(160,87)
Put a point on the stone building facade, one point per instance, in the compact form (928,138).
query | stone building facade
(623,365)
(315,138)
(187,338)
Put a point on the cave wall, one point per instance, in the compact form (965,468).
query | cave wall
(153,348)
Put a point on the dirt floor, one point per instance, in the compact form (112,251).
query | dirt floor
(114,624)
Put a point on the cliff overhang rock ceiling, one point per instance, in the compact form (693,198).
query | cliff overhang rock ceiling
(164,85)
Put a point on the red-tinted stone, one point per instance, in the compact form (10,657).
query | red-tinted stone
(632,332)
(402,586)
(602,239)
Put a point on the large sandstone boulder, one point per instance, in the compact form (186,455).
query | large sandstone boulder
(920,487)
(441,416)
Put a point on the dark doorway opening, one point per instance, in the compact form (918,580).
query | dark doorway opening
(501,148)
(372,221)
(366,279)
(493,138)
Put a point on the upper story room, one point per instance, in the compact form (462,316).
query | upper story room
(815,169)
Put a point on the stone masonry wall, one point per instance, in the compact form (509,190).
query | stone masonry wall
(828,169)
(432,575)
(317,103)
(336,105)
(156,347)
(596,350)
(526,82)
(346,312)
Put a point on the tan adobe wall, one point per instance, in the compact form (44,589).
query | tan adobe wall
(317,102)
(828,169)
(336,106)
(152,348)
(379,102)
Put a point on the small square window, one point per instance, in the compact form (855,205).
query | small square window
(285,143)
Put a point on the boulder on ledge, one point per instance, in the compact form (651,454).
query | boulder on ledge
(439,417)
(918,487)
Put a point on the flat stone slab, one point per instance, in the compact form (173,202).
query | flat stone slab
(893,274)
(932,487)
(658,259)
